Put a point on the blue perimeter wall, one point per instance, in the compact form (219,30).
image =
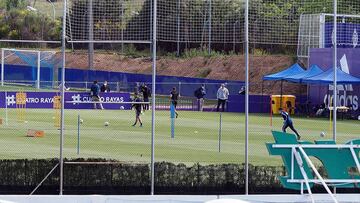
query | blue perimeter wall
(127,81)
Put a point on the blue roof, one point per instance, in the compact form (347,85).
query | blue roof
(311,72)
(292,70)
(327,77)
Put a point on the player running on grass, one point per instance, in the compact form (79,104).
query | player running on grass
(288,122)
(137,107)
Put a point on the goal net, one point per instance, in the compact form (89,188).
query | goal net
(29,67)
(316,31)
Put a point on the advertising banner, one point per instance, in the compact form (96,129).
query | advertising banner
(348,60)
(45,100)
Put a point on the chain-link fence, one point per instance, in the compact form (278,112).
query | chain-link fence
(274,27)
(198,134)
(199,140)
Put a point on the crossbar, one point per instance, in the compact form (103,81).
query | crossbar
(325,180)
(30,41)
(319,146)
(112,41)
(341,15)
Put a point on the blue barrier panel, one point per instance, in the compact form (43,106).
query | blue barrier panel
(28,73)
(127,81)
(258,103)
(16,72)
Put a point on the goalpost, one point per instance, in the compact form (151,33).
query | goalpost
(316,31)
(35,59)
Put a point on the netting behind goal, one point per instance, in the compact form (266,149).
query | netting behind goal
(316,31)
(110,20)
(30,68)
(200,21)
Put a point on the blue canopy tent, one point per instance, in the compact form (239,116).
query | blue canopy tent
(311,72)
(327,78)
(292,70)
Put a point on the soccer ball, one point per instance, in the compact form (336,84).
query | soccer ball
(122,107)
(106,123)
(25,121)
(322,134)
(81,121)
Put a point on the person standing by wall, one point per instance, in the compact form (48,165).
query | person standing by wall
(105,87)
(200,94)
(146,94)
(174,96)
(222,96)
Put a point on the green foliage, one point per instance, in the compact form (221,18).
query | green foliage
(170,178)
(191,53)
(2,4)
(173,177)
(131,51)
(260,52)
(22,24)
(204,73)
(275,22)
(15,4)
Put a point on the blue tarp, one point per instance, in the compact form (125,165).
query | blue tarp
(311,72)
(292,70)
(328,76)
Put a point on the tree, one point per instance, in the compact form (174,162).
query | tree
(15,4)
(22,24)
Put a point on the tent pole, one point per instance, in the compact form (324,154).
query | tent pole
(281,93)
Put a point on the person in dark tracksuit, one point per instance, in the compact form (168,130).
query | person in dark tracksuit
(105,87)
(174,96)
(137,108)
(288,122)
(200,94)
(146,94)
(94,92)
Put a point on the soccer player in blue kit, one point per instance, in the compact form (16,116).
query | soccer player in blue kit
(288,122)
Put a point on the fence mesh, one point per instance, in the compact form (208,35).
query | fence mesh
(110,20)
(200,138)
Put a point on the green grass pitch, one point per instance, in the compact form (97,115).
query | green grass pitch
(196,136)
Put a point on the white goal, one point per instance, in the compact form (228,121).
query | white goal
(28,67)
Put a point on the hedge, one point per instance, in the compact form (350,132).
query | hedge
(21,176)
